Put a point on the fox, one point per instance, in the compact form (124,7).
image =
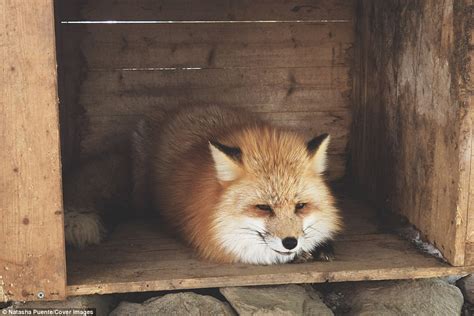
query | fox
(234,187)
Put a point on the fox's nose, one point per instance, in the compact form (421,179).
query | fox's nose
(289,242)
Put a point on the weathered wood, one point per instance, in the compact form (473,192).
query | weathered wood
(409,132)
(470,83)
(466,89)
(312,100)
(71,70)
(470,185)
(263,90)
(266,67)
(32,258)
(140,258)
(108,131)
(469,87)
(217,10)
(104,133)
(469,254)
(112,46)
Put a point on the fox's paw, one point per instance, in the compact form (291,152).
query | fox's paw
(82,228)
(324,252)
(303,257)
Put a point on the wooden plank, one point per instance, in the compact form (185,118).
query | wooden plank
(469,254)
(280,89)
(71,68)
(470,82)
(217,10)
(104,133)
(137,257)
(463,210)
(108,131)
(310,99)
(409,140)
(112,46)
(470,214)
(470,186)
(32,257)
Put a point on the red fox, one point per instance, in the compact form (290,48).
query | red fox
(235,188)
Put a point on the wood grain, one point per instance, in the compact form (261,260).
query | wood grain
(140,258)
(297,63)
(470,186)
(113,46)
(104,133)
(469,87)
(465,212)
(217,10)
(71,69)
(107,131)
(280,89)
(410,134)
(310,100)
(32,257)
(469,254)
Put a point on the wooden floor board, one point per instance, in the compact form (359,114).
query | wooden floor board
(136,257)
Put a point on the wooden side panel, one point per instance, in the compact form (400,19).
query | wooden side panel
(470,215)
(71,69)
(32,256)
(469,254)
(411,132)
(470,90)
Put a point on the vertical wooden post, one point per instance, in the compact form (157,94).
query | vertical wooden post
(32,253)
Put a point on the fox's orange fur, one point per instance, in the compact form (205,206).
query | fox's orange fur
(233,186)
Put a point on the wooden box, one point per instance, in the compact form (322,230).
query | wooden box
(390,80)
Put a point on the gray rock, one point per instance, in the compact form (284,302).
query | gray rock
(179,304)
(466,285)
(275,300)
(102,303)
(415,297)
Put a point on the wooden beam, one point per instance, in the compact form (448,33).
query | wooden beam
(216,10)
(242,45)
(32,256)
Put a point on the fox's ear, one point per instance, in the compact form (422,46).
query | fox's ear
(317,150)
(227,161)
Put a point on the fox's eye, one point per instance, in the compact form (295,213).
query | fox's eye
(264,207)
(300,206)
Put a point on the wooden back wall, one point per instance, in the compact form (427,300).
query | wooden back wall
(289,60)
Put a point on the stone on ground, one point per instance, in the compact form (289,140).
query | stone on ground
(466,285)
(414,297)
(275,300)
(180,304)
